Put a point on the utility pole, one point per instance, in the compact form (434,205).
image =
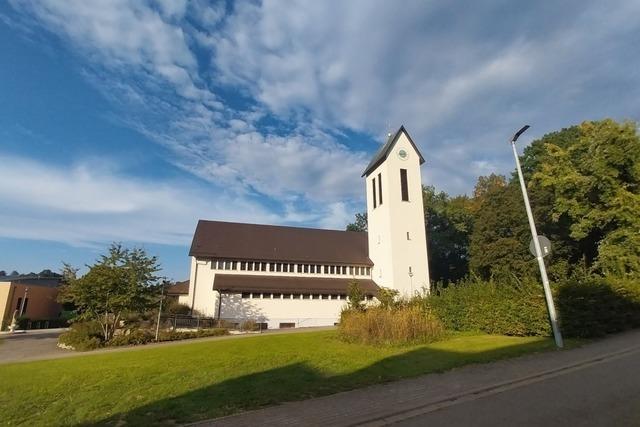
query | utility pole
(159,311)
(534,234)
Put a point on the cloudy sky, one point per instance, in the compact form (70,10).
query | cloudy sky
(125,120)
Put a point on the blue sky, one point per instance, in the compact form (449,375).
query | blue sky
(129,120)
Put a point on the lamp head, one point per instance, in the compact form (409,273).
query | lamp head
(520,132)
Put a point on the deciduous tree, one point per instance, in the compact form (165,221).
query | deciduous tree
(122,281)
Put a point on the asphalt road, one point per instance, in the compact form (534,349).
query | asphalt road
(30,345)
(606,393)
(597,384)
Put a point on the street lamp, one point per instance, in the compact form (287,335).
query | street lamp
(534,234)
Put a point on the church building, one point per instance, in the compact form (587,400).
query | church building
(283,277)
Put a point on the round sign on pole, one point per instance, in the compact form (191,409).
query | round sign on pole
(545,246)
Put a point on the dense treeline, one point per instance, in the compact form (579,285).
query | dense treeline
(584,186)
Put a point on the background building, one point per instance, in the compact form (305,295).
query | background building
(31,297)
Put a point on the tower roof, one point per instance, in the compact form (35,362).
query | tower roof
(384,151)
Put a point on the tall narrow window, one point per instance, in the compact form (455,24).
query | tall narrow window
(375,200)
(403,185)
(380,188)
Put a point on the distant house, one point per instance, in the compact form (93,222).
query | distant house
(288,277)
(179,292)
(33,297)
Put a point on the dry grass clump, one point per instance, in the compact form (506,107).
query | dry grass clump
(390,326)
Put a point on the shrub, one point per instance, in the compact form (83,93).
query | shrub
(517,309)
(387,297)
(145,336)
(356,296)
(201,333)
(134,337)
(595,306)
(381,326)
(175,307)
(82,336)
(249,325)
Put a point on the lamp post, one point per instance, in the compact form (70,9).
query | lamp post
(534,234)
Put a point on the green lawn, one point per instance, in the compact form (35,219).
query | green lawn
(194,381)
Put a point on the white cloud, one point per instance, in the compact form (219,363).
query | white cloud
(461,77)
(85,204)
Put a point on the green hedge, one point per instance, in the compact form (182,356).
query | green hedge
(490,307)
(588,306)
(595,306)
(83,336)
(144,336)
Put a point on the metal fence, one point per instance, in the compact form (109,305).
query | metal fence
(181,321)
(42,323)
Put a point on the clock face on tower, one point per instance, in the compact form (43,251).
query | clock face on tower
(402,153)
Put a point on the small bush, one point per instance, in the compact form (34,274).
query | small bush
(595,306)
(381,326)
(517,309)
(174,307)
(134,337)
(145,336)
(388,297)
(249,325)
(82,336)
(355,296)
(201,333)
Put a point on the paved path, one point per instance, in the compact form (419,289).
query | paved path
(42,344)
(31,344)
(597,384)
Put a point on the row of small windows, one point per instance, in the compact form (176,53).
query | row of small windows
(377,195)
(283,267)
(276,295)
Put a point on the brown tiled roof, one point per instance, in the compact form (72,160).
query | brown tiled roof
(312,285)
(230,240)
(180,288)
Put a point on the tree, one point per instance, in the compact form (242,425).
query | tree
(595,183)
(485,187)
(500,238)
(3,273)
(120,282)
(360,224)
(449,222)
(14,273)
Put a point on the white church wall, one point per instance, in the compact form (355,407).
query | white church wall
(202,297)
(274,311)
(205,300)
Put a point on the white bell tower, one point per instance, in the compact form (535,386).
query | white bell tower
(395,216)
